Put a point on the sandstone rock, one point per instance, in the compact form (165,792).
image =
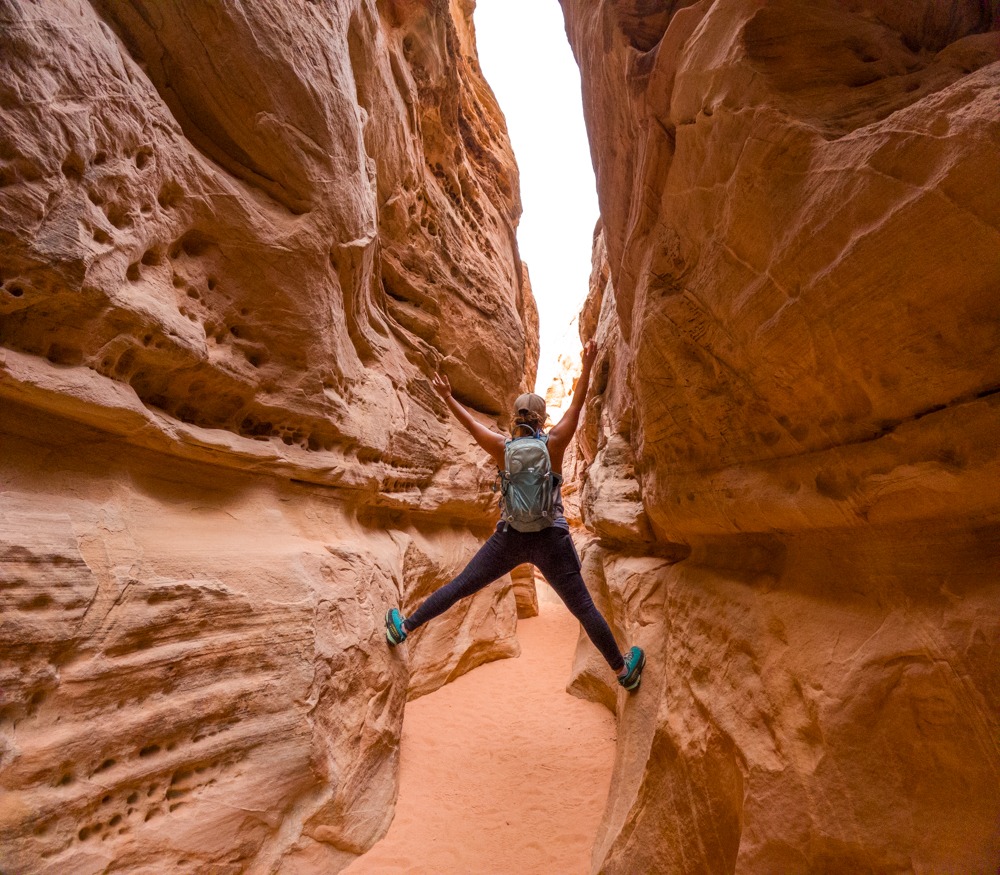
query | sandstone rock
(615,511)
(236,240)
(525,591)
(558,397)
(528,310)
(590,677)
(794,292)
(180,678)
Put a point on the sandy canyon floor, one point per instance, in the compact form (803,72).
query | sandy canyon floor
(502,771)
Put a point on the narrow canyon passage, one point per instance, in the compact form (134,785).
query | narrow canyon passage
(239,240)
(502,771)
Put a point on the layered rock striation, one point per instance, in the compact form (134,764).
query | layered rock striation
(236,239)
(793,430)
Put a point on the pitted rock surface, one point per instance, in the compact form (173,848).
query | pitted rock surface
(236,241)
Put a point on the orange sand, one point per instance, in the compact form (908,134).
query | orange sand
(502,771)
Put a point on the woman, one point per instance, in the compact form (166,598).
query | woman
(551,549)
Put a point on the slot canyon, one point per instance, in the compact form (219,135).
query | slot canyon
(238,238)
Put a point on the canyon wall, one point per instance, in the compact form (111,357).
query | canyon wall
(236,240)
(793,430)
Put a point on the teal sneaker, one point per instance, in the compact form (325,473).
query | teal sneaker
(394,631)
(635,661)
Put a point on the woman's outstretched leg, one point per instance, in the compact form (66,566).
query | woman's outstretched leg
(499,555)
(560,565)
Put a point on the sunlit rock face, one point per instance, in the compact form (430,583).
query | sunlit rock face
(236,239)
(793,430)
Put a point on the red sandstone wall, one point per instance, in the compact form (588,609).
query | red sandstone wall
(236,239)
(793,430)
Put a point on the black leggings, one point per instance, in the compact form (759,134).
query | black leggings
(552,551)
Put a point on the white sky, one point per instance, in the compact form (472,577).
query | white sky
(528,63)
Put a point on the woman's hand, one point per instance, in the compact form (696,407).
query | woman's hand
(589,353)
(441,385)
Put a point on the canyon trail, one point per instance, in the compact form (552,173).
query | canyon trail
(502,771)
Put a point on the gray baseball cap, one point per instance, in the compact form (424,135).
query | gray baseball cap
(532,403)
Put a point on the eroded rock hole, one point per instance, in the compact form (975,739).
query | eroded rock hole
(118,216)
(195,243)
(73,167)
(59,354)
(170,195)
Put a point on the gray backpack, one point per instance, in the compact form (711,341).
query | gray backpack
(527,484)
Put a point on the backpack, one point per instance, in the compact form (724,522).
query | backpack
(527,484)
